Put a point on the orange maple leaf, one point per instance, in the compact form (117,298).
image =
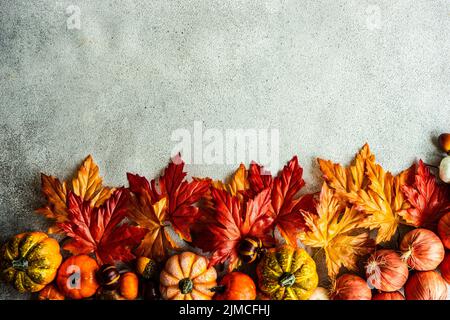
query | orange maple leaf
(87,184)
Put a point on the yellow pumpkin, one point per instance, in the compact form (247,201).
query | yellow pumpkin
(287,273)
(186,276)
(29,261)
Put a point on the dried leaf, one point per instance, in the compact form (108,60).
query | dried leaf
(334,228)
(429,200)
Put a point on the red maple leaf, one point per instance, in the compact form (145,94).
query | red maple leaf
(101,230)
(429,200)
(181,195)
(286,204)
(233,221)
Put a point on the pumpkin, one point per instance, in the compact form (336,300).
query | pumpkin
(108,276)
(146,267)
(129,285)
(50,292)
(186,276)
(29,261)
(77,277)
(287,273)
(235,286)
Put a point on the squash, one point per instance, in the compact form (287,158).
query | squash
(50,292)
(77,277)
(108,277)
(129,285)
(287,273)
(186,276)
(147,268)
(29,261)
(235,286)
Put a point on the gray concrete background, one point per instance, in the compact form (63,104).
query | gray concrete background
(330,75)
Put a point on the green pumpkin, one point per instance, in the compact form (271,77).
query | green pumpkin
(29,261)
(287,273)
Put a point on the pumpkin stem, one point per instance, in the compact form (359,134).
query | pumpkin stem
(20,264)
(186,286)
(287,279)
(218,289)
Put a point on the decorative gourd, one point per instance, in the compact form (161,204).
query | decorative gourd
(108,276)
(287,273)
(186,276)
(235,286)
(76,277)
(29,261)
(249,249)
(146,267)
(50,292)
(129,285)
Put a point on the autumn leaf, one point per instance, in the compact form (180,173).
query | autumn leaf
(336,229)
(285,201)
(370,189)
(153,218)
(236,184)
(56,193)
(101,230)
(347,181)
(383,201)
(429,200)
(167,202)
(234,221)
(87,185)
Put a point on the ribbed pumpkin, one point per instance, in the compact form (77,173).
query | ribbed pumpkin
(29,261)
(186,276)
(287,273)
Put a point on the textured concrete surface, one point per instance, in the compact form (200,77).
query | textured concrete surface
(330,75)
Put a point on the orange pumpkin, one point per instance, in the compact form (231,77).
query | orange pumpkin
(186,276)
(129,285)
(50,292)
(76,277)
(236,286)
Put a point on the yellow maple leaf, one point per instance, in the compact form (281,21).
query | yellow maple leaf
(87,184)
(347,181)
(152,217)
(335,229)
(237,182)
(382,201)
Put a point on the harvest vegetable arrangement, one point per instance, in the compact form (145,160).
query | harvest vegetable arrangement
(255,236)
